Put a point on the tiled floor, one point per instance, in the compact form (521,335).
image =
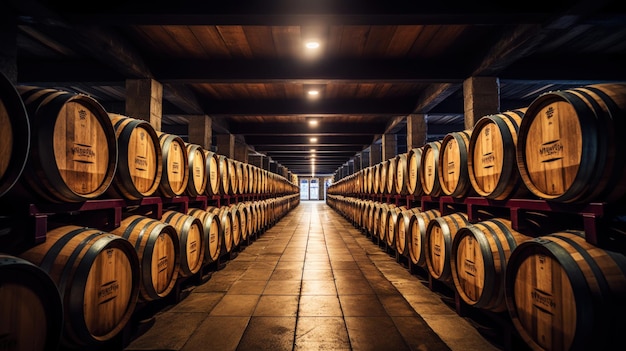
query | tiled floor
(311,282)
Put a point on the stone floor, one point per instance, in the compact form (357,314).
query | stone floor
(311,282)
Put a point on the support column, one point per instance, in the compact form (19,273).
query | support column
(266,163)
(256,160)
(390,146)
(241,152)
(375,154)
(357,163)
(350,167)
(144,100)
(8,44)
(226,145)
(273,167)
(200,131)
(481,97)
(416,130)
(365,159)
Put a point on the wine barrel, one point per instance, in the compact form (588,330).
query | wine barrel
(402,174)
(414,166)
(233,176)
(401,231)
(439,236)
(175,175)
(97,275)
(565,294)
(226,223)
(478,258)
(452,164)
(417,228)
(73,151)
(32,310)
(140,160)
(392,173)
(392,226)
(212,234)
(491,156)
(429,176)
(191,237)
(570,144)
(14,135)
(158,249)
(223,174)
(382,186)
(235,224)
(196,160)
(213,173)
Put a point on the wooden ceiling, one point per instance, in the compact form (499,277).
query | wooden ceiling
(245,64)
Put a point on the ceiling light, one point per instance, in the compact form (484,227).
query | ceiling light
(312,150)
(313,92)
(312,45)
(313,122)
(313,140)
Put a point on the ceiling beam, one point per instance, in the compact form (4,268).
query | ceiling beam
(294,128)
(388,106)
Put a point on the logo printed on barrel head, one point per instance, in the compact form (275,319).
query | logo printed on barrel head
(108,291)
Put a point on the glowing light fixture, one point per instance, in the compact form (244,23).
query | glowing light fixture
(313,122)
(313,140)
(314,92)
(312,45)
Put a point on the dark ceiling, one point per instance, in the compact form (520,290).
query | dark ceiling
(245,63)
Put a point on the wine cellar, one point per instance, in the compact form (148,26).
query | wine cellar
(332,175)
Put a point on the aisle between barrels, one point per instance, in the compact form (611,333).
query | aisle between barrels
(312,281)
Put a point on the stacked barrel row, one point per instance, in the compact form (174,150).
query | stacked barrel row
(563,147)
(81,287)
(560,291)
(64,147)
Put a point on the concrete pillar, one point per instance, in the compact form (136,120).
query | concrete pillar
(357,163)
(144,100)
(365,159)
(226,145)
(266,163)
(273,167)
(8,44)
(256,160)
(416,129)
(390,146)
(375,154)
(241,152)
(350,167)
(200,131)
(481,97)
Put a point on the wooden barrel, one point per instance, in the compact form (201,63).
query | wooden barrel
(491,156)
(452,164)
(376,179)
(235,224)
(565,294)
(439,236)
(391,175)
(212,234)
(212,173)
(32,310)
(73,151)
(570,144)
(382,186)
(478,258)
(429,175)
(392,226)
(14,135)
(414,166)
(97,275)
(191,237)
(158,249)
(246,222)
(402,175)
(196,160)
(417,227)
(226,223)
(233,177)
(402,229)
(224,175)
(140,160)
(382,221)
(175,174)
